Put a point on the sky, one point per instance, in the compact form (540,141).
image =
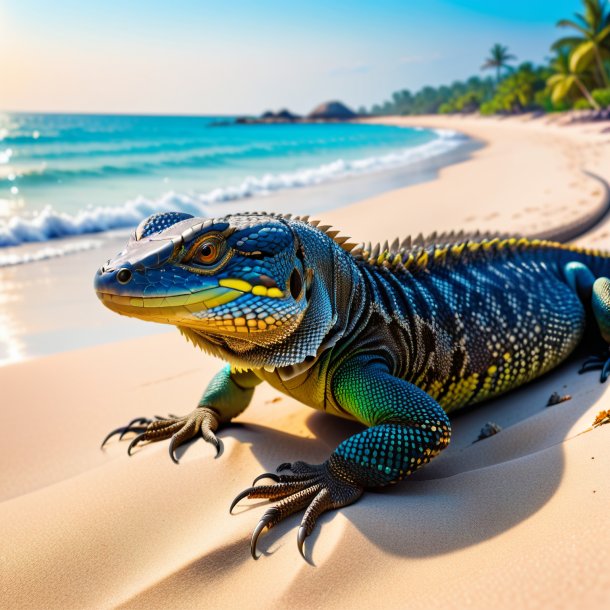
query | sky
(247,56)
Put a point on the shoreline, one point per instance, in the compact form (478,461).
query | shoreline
(515,520)
(526,178)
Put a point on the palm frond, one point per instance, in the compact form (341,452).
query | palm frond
(567,23)
(566,42)
(582,56)
(603,34)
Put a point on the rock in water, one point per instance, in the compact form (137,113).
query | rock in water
(332,110)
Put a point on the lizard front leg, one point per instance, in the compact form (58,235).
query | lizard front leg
(226,396)
(407,429)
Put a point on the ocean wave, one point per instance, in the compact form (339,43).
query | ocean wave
(175,157)
(125,149)
(10,260)
(45,173)
(51,224)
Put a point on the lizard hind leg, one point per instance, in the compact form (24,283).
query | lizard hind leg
(595,292)
(600,301)
(600,304)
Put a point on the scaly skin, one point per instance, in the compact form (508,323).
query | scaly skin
(395,337)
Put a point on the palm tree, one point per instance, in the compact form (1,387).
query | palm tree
(566,79)
(593,41)
(498,59)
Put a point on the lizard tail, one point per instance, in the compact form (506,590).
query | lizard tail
(577,228)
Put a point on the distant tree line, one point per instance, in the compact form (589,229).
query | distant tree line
(577,76)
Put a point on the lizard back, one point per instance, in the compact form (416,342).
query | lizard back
(469,317)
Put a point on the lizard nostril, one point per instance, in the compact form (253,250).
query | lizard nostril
(123,276)
(106,267)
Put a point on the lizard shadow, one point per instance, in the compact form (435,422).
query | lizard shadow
(474,490)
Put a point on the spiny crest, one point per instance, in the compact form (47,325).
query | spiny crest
(434,250)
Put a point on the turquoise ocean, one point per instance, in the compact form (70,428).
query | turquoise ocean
(70,174)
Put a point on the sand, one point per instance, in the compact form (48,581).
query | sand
(516,520)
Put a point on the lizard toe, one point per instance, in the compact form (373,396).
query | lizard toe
(597,363)
(202,421)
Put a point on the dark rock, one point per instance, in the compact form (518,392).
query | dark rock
(555,398)
(332,111)
(489,429)
(280,116)
(223,123)
(286,115)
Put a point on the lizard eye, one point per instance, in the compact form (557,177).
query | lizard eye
(208,252)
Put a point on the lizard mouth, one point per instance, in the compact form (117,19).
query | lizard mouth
(193,309)
(192,301)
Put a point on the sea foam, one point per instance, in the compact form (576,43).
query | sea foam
(50,224)
(47,252)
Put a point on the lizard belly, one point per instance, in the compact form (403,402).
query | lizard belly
(310,387)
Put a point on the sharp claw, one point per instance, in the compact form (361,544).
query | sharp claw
(591,360)
(266,521)
(216,444)
(239,498)
(605,372)
(210,437)
(255,534)
(266,475)
(131,428)
(123,430)
(135,441)
(596,363)
(138,420)
(172,448)
(590,366)
(110,435)
(283,466)
(302,534)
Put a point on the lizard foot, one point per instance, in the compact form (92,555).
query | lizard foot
(297,486)
(202,420)
(596,363)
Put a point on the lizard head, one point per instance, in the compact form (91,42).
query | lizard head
(241,286)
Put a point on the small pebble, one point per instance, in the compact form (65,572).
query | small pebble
(489,429)
(555,398)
